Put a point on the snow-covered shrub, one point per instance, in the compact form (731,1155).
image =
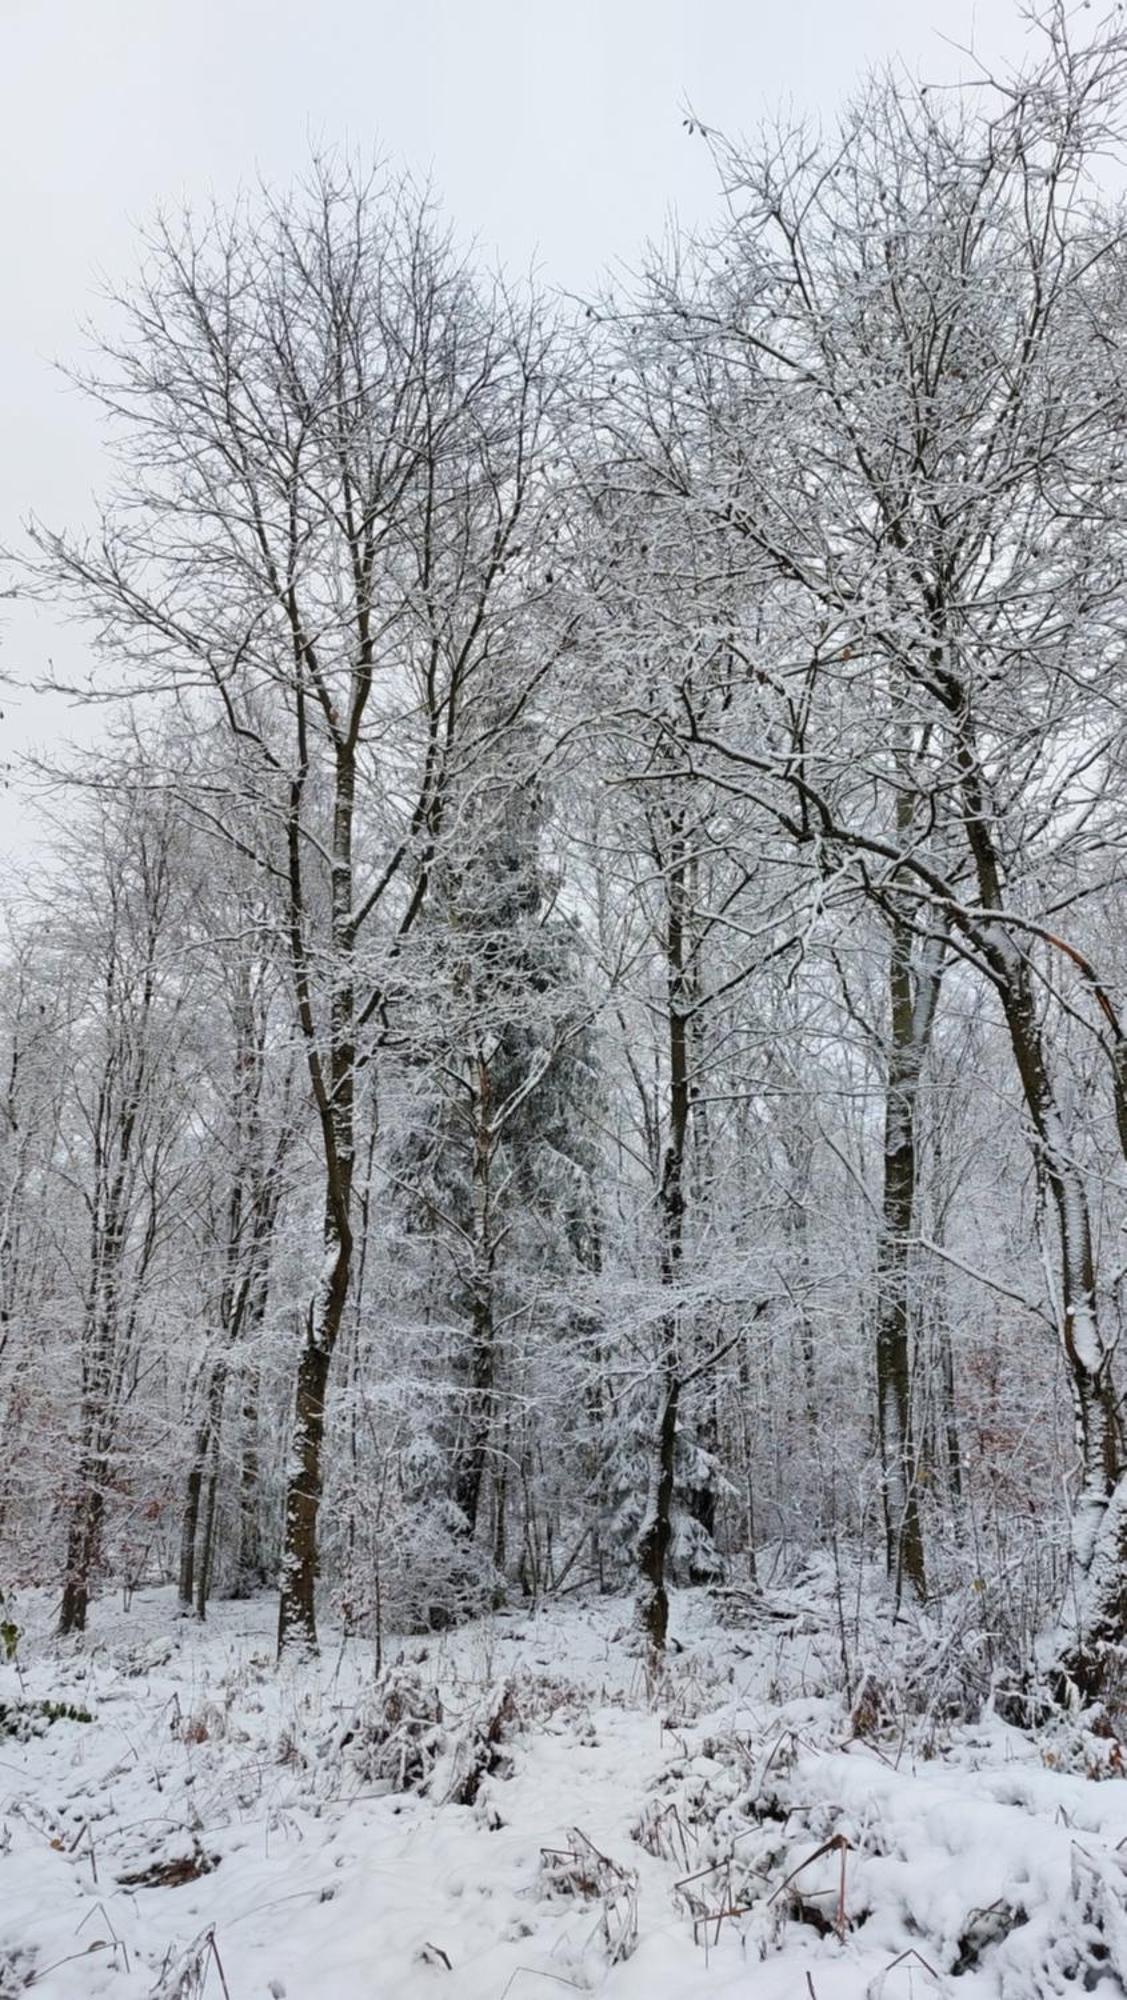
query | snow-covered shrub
(434,1575)
(582,1871)
(395,1736)
(400,1738)
(21,1720)
(474,1750)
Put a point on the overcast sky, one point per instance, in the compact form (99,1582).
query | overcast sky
(553,133)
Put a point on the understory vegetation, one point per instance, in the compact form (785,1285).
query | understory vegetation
(521,1805)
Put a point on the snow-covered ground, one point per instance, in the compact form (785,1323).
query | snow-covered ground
(223,1828)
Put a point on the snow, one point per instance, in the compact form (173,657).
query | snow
(980,1861)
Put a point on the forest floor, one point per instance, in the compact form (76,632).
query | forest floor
(511,1812)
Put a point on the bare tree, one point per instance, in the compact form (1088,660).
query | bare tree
(924,400)
(123,962)
(331,438)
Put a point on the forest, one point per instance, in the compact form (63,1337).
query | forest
(567,1039)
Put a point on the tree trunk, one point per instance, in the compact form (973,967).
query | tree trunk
(473,1459)
(500,1510)
(207,1543)
(250,1567)
(297,1613)
(657,1528)
(474,1456)
(334,1090)
(949,1410)
(84,1535)
(701,1497)
(190,1520)
(904,1549)
(194,1559)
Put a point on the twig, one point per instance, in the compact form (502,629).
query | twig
(836,1843)
(556,1977)
(218,1964)
(99,1944)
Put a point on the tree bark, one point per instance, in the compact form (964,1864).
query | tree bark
(297,1610)
(190,1519)
(250,1566)
(84,1536)
(657,1526)
(657,1529)
(334,1091)
(480,1410)
(207,1540)
(904,1547)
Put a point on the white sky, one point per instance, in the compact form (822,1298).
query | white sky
(553,133)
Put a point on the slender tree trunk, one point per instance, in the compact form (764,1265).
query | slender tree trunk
(950,1414)
(207,1542)
(480,1410)
(474,1456)
(904,1549)
(250,1567)
(190,1519)
(914,974)
(334,1090)
(84,1536)
(84,1531)
(657,1526)
(500,1509)
(745,1397)
(194,1557)
(700,1496)
(297,1611)
(100,1329)
(657,1529)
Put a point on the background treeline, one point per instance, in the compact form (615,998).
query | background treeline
(570,1028)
